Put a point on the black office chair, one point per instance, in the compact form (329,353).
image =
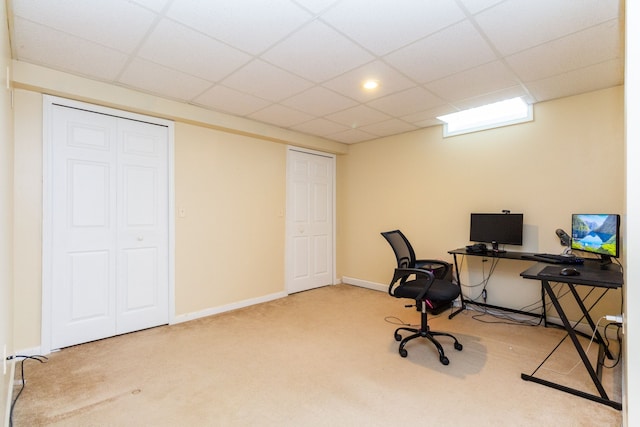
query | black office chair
(428,282)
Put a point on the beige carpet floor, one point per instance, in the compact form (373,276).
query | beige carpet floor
(325,357)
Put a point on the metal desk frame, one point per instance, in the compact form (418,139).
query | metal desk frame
(590,275)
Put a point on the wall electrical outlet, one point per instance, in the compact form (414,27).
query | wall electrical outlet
(614,318)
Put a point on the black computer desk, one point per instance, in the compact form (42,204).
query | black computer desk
(593,276)
(509,255)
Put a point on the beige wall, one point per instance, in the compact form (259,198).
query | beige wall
(570,159)
(230,243)
(28,218)
(6,211)
(231,186)
(229,180)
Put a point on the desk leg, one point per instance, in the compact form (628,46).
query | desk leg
(544,304)
(602,398)
(462,303)
(585,315)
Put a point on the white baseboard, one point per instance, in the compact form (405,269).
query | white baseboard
(227,307)
(582,327)
(33,351)
(364,284)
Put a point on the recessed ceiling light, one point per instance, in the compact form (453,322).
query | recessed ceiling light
(371,84)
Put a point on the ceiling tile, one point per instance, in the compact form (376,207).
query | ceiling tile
(163,81)
(606,74)
(411,20)
(281,116)
(350,84)
(65,52)
(299,64)
(155,5)
(450,51)
(425,116)
(316,6)
(515,25)
(473,82)
(321,127)
(266,81)
(475,6)
(117,24)
(565,54)
(319,101)
(389,127)
(249,25)
(406,102)
(358,116)
(490,98)
(191,52)
(317,53)
(352,136)
(230,101)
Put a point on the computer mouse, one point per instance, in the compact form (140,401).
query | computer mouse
(569,271)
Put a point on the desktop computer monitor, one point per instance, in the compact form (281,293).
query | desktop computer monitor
(597,234)
(496,228)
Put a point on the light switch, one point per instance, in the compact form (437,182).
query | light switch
(182,212)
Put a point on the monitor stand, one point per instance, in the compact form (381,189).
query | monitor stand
(495,249)
(605,262)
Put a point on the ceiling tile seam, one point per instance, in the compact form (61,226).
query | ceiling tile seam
(316,14)
(551,41)
(499,55)
(74,36)
(254,56)
(214,82)
(159,16)
(564,73)
(484,94)
(323,85)
(443,102)
(381,58)
(397,48)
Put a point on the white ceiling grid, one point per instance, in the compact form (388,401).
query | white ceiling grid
(299,64)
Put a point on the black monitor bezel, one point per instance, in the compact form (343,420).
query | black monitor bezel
(476,235)
(603,255)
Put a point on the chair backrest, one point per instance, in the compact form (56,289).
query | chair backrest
(405,255)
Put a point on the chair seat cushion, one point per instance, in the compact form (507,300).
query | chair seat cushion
(441,290)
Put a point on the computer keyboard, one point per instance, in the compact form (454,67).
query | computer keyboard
(559,259)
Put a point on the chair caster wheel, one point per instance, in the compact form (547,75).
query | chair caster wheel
(444,360)
(398,337)
(457,346)
(403,353)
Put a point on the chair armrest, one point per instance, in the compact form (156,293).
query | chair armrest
(401,274)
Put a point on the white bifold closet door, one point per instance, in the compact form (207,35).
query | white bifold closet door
(109,209)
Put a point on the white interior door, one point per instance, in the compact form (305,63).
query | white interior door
(83,215)
(142,281)
(109,226)
(310,220)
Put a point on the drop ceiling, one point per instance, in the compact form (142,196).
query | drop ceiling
(300,64)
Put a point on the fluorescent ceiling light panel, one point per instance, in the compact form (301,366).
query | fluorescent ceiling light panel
(503,113)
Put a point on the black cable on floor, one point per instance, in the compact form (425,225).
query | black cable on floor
(41,359)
